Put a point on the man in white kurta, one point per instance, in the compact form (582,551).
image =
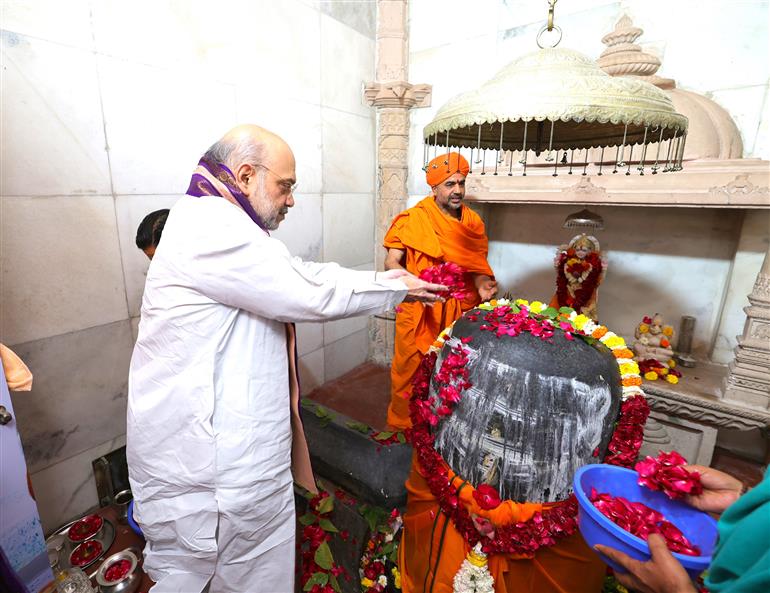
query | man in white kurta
(209,416)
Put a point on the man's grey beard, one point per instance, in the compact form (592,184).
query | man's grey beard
(264,208)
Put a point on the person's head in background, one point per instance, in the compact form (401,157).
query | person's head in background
(149,231)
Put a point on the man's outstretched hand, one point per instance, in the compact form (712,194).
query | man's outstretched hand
(419,290)
(720,490)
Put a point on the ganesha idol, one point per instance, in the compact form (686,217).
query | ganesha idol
(511,402)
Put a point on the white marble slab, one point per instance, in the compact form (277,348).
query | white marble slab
(360,16)
(311,371)
(158,126)
(310,337)
(745,105)
(296,122)
(456,20)
(348,228)
(342,328)
(130,212)
(302,231)
(348,152)
(342,80)
(345,354)
(78,396)
(52,140)
(67,490)
(43,19)
(61,268)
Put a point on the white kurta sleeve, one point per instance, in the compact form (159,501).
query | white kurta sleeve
(260,276)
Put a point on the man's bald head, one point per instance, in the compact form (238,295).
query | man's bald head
(263,167)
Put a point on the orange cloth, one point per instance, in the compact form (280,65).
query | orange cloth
(430,237)
(17,374)
(432,554)
(444,166)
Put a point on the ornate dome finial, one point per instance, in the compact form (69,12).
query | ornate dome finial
(624,58)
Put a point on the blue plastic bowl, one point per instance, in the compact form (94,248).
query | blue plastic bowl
(697,526)
(131,522)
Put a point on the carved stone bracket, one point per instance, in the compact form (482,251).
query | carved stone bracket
(584,188)
(397,94)
(714,412)
(740,190)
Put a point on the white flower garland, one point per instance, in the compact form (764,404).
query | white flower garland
(473,576)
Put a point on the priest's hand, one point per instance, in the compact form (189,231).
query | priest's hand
(720,490)
(486,286)
(661,574)
(419,290)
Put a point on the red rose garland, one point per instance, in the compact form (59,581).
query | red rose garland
(585,292)
(546,527)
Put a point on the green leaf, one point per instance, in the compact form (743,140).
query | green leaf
(359,426)
(565,310)
(374,516)
(325,421)
(323,556)
(327,525)
(322,412)
(326,505)
(307,519)
(334,583)
(317,578)
(383,436)
(401,437)
(549,312)
(307,403)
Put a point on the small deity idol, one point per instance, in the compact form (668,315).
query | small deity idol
(580,269)
(653,340)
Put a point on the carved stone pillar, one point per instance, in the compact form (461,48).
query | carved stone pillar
(748,382)
(393,97)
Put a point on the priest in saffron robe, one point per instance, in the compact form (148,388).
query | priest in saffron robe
(440,228)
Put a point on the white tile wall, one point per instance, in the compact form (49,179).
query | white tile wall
(345,354)
(61,267)
(43,19)
(311,371)
(310,337)
(348,152)
(348,225)
(302,230)
(159,124)
(342,328)
(342,81)
(66,490)
(52,140)
(745,106)
(79,391)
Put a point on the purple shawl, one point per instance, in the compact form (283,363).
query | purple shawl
(215,179)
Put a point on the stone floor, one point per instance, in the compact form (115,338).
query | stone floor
(363,394)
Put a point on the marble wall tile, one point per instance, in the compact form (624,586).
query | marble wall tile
(348,228)
(762,145)
(158,126)
(745,106)
(52,140)
(301,231)
(43,19)
(311,371)
(310,337)
(752,246)
(348,152)
(342,80)
(655,269)
(458,20)
(61,268)
(67,490)
(342,328)
(296,122)
(360,16)
(345,354)
(78,396)
(130,212)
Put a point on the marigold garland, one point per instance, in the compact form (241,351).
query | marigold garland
(504,317)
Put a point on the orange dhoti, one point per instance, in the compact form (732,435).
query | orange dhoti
(429,238)
(432,551)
